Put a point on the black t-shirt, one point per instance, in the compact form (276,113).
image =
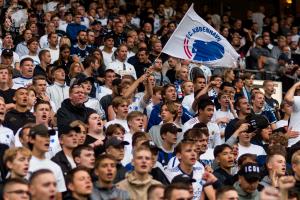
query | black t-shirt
(8,95)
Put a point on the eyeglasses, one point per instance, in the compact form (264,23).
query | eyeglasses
(19,192)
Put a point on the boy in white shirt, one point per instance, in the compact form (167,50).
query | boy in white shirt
(120,107)
(39,144)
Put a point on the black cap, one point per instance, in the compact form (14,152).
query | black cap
(169,127)
(183,178)
(95,22)
(283,57)
(256,122)
(42,130)
(7,53)
(250,171)
(81,78)
(108,36)
(66,129)
(115,142)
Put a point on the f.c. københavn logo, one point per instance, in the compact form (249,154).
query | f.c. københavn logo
(203,51)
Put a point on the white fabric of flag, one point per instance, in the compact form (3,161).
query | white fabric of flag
(195,40)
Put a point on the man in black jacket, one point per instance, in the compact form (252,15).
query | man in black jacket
(69,141)
(18,117)
(73,108)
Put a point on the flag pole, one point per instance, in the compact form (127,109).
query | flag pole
(192,5)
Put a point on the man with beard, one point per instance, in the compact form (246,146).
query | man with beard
(106,170)
(39,143)
(69,141)
(73,107)
(79,183)
(7,135)
(225,159)
(18,117)
(26,66)
(81,49)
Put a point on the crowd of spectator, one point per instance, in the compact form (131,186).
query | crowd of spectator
(91,109)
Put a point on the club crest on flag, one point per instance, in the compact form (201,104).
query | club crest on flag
(201,50)
(195,40)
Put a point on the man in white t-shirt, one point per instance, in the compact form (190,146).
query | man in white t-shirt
(244,144)
(52,46)
(292,97)
(108,49)
(25,79)
(39,143)
(187,156)
(206,110)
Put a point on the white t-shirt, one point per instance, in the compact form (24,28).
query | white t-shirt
(7,136)
(213,128)
(295,119)
(253,149)
(21,82)
(54,146)
(198,172)
(127,149)
(37,164)
(54,54)
(103,91)
(107,57)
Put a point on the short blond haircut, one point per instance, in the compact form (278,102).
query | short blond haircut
(11,154)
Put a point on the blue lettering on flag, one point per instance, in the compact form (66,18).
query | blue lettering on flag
(207,51)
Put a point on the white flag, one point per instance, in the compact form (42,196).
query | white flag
(195,40)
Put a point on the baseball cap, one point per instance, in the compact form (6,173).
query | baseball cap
(81,78)
(183,178)
(108,36)
(42,130)
(115,142)
(7,53)
(66,129)
(169,127)
(95,22)
(250,171)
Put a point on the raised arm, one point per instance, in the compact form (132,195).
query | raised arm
(289,97)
